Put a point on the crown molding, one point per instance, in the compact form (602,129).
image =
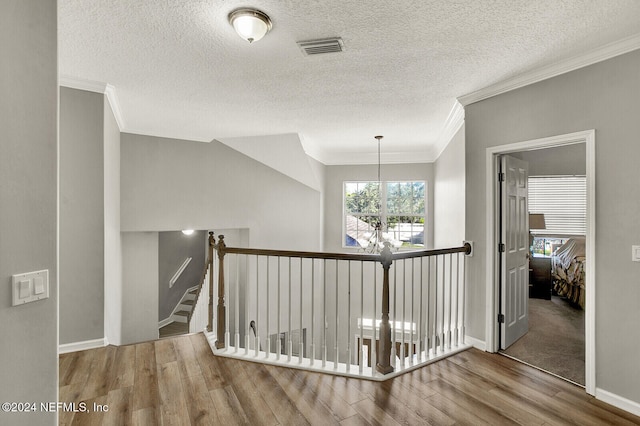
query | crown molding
(165,135)
(352,158)
(599,54)
(454,121)
(97,87)
(110,93)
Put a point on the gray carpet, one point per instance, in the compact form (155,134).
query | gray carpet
(555,341)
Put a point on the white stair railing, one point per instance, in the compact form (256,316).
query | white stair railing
(200,314)
(199,320)
(365,315)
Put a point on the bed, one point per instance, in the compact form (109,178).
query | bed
(567,270)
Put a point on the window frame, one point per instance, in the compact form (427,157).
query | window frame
(383,213)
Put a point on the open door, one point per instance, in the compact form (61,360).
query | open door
(514,270)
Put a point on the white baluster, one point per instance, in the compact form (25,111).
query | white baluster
(301,337)
(360,363)
(313,317)
(335,342)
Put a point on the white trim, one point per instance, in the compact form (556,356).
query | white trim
(454,121)
(491,330)
(476,343)
(346,158)
(97,87)
(112,97)
(164,135)
(179,272)
(82,346)
(618,401)
(82,84)
(166,321)
(368,373)
(599,54)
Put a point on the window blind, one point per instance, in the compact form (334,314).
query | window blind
(562,200)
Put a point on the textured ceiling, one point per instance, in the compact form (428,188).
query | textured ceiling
(179,70)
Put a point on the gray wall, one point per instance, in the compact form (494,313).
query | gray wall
(560,160)
(173,248)
(449,196)
(333,193)
(603,97)
(81,215)
(28,199)
(140,287)
(169,184)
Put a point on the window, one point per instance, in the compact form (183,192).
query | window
(398,205)
(563,201)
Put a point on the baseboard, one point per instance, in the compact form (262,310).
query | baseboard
(82,346)
(165,321)
(618,401)
(478,344)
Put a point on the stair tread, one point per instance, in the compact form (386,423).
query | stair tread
(187,302)
(183,313)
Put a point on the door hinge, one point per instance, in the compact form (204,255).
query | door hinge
(502,248)
(501,318)
(501,177)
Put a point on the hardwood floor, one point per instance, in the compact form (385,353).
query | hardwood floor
(174,329)
(178,381)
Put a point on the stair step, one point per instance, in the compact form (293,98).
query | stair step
(183,313)
(194,291)
(188,302)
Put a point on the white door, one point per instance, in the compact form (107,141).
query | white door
(515,251)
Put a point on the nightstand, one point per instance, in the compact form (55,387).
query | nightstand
(540,277)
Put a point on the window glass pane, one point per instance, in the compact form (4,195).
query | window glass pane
(407,229)
(361,197)
(399,197)
(359,230)
(418,198)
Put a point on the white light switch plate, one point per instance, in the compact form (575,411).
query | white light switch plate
(635,253)
(30,287)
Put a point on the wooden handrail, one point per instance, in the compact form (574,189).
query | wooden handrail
(345,256)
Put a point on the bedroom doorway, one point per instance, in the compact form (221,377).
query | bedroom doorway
(554,246)
(546,311)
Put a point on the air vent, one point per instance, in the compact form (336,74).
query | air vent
(317,47)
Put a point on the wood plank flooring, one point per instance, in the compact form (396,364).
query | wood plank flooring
(178,381)
(174,328)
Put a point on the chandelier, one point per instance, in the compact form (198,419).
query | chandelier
(380,236)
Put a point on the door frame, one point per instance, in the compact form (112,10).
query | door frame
(492,341)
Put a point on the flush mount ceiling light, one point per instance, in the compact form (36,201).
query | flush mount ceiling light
(187,231)
(250,24)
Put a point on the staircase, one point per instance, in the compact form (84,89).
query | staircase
(184,309)
(181,315)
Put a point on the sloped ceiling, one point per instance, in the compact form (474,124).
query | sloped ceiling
(180,71)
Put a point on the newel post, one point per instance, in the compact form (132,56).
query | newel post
(222,317)
(384,348)
(212,243)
